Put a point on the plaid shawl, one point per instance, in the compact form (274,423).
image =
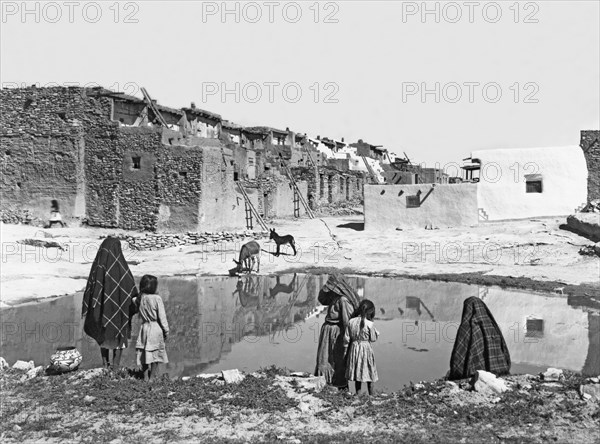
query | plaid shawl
(337,286)
(108,299)
(479,343)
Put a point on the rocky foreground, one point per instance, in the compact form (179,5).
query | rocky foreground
(275,405)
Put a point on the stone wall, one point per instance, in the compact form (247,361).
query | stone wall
(159,241)
(180,184)
(326,186)
(42,137)
(222,206)
(61,143)
(590,143)
(37,170)
(118,193)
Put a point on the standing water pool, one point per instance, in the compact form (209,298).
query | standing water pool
(220,323)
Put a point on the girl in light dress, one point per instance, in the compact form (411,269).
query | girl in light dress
(150,346)
(360,359)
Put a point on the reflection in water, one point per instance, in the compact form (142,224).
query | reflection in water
(255,321)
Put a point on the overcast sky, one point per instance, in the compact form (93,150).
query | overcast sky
(358,72)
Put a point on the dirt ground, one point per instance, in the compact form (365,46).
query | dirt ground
(272,406)
(535,254)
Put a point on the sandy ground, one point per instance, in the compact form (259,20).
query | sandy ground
(536,249)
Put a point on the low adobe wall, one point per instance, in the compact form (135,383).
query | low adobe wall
(585,224)
(440,205)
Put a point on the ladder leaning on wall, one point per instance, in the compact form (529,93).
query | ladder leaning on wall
(311,161)
(297,193)
(153,107)
(250,210)
(370,170)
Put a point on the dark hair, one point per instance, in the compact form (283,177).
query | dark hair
(366,309)
(148,284)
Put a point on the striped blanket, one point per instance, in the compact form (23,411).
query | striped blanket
(108,301)
(479,343)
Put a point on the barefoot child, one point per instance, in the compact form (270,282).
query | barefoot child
(150,347)
(360,332)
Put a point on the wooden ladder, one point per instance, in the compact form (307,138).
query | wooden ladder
(150,103)
(296,204)
(370,170)
(296,191)
(250,210)
(310,157)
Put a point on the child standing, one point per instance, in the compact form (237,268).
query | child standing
(359,334)
(150,347)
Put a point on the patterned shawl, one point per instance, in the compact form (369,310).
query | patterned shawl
(108,299)
(337,286)
(479,343)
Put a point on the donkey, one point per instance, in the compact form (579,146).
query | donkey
(249,253)
(247,288)
(282,240)
(282,288)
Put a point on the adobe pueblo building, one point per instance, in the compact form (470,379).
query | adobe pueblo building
(496,185)
(113,160)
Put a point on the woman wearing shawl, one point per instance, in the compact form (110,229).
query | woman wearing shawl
(479,343)
(341,300)
(108,301)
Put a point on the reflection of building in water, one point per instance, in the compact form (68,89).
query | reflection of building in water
(539,330)
(35,331)
(279,302)
(207,318)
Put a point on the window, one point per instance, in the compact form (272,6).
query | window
(533,183)
(413,201)
(136,163)
(534,328)
(534,186)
